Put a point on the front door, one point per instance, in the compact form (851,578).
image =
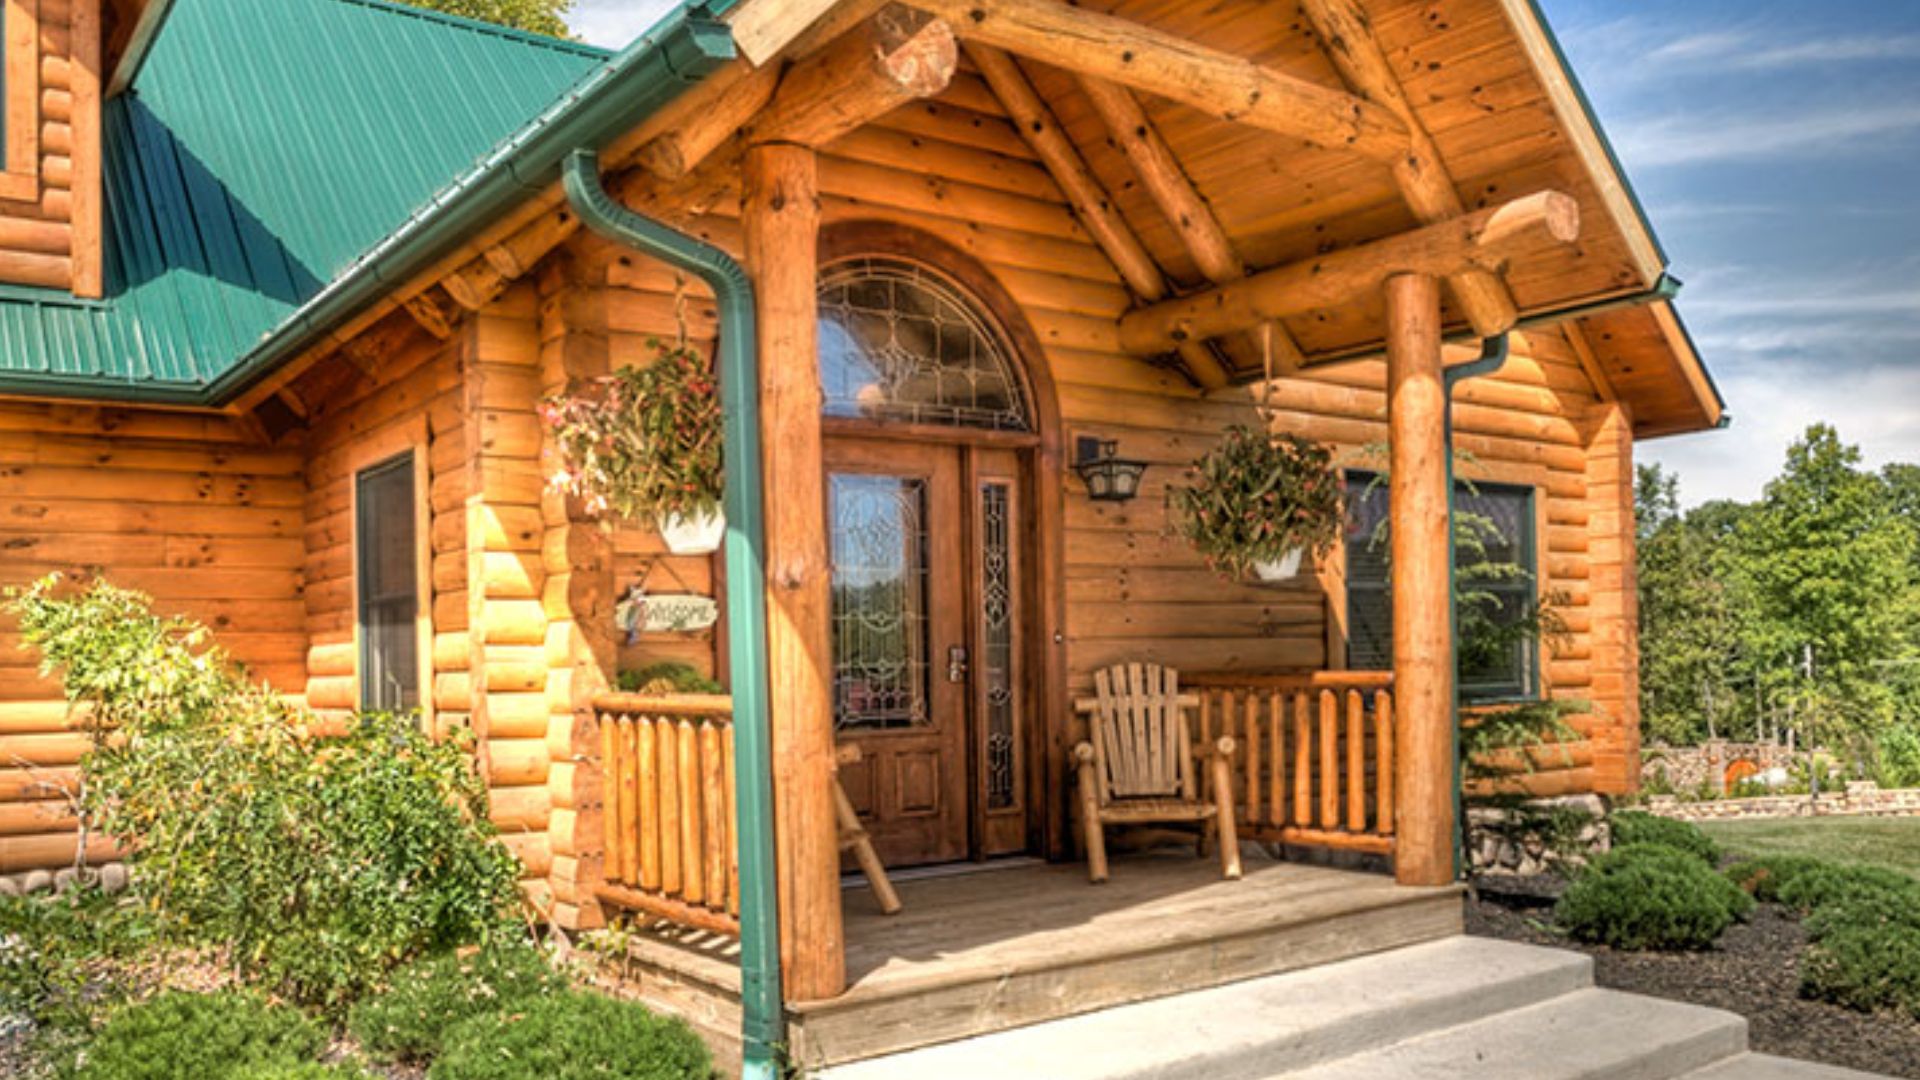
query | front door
(900,660)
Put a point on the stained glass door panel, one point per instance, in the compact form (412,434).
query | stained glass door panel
(901,664)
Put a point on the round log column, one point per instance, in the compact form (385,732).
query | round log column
(780,211)
(1422,582)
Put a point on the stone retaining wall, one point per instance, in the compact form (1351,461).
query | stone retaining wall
(1688,768)
(1860,799)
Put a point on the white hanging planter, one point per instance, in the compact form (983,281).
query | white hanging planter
(1282,568)
(698,534)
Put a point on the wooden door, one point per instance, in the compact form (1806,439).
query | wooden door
(900,651)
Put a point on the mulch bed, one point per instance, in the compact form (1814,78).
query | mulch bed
(1753,971)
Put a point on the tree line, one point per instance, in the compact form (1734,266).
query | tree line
(1797,612)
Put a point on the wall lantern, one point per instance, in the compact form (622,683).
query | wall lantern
(1109,477)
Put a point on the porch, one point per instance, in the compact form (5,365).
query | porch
(999,946)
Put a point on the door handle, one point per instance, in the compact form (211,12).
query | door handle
(957,663)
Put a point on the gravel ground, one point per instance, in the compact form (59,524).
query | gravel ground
(1753,971)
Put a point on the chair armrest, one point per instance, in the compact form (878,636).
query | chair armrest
(1083,753)
(1224,746)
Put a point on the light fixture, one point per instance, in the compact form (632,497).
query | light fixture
(1109,477)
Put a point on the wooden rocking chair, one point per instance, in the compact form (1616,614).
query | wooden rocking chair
(1138,767)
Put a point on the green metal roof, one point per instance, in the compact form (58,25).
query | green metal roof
(262,151)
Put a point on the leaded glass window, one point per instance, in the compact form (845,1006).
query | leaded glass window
(899,341)
(880,647)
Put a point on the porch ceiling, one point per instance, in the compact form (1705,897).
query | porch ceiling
(1484,80)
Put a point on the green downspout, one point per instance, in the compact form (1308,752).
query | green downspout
(761,1024)
(1493,356)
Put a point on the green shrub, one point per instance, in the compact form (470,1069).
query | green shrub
(1828,883)
(317,862)
(178,1036)
(1863,950)
(303,1070)
(409,1020)
(1649,896)
(1765,875)
(62,957)
(1632,827)
(573,1036)
(667,676)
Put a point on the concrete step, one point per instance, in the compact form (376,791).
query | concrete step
(1585,1035)
(1244,1030)
(1763,1067)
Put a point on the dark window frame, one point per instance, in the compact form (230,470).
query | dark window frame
(1523,682)
(396,608)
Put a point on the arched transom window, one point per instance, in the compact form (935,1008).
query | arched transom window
(899,341)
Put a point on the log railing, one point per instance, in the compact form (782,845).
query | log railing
(667,775)
(1313,759)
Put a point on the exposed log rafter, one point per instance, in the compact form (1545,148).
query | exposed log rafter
(1483,240)
(1168,185)
(1217,83)
(1347,36)
(1090,201)
(900,55)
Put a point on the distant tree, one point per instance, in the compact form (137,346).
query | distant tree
(1689,641)
(539,16)
(1829,568)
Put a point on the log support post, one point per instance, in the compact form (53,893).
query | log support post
(1423,663)
(1615,690)
(781,217)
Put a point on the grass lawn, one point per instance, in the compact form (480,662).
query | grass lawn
(1891,842)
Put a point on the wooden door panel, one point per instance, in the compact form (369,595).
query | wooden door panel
(894,523)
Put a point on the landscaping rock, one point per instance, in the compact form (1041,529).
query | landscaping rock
(114,878)
(36,881)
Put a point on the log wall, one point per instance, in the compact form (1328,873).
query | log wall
(50,190)
(189,509)
(957,168)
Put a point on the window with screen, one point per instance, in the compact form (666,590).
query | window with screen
(387,551)
(1502,665)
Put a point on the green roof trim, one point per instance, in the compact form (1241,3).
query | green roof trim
(276,166)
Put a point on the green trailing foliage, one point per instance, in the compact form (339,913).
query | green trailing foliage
(1639,827)
(408,1020)
(642,441)
(63,958)
(573,1036)
(1764,876)
(1256,496)
(1650,896)
(182,1036)
(535,16)
(667,676)
(317,863)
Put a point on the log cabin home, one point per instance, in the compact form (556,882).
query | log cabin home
(283,284)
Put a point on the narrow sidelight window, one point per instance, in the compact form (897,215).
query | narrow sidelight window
(1506,666)
(389,588)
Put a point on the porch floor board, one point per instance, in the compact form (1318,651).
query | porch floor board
(1001,948)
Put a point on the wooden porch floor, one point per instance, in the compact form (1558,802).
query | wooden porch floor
(998,948)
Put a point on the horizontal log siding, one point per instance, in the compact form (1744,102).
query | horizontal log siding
(186,508)
(38,232)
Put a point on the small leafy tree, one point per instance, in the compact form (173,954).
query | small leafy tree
(316,861)
(538,16)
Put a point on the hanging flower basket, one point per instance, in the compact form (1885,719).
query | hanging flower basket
(1259,503)
(693,534)
(644,442)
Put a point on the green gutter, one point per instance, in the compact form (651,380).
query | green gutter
(761,1021)
(1493,357)
(680,51)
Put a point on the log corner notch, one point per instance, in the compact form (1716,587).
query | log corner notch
(1484,240)
(899,55)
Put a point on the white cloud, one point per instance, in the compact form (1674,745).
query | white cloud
(613,23)
(1697,137)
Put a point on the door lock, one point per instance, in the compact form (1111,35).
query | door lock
(957,663)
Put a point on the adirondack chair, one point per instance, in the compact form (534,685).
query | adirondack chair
(1138,766)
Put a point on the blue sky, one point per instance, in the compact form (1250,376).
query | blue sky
(1776,146)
